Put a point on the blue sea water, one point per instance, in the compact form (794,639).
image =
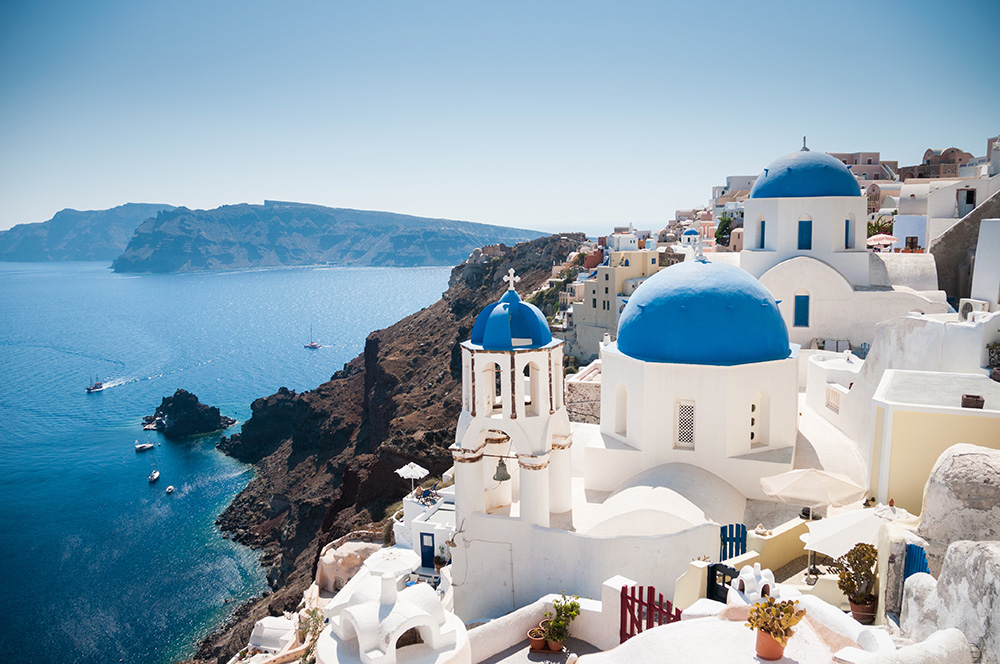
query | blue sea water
(99,565)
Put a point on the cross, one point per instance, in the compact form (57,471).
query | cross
(511,279)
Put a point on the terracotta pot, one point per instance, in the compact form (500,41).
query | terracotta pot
(863,613)
(543,623)
(555,646)
(768,648)
(536,643)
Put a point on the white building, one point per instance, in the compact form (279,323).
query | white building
(805,239)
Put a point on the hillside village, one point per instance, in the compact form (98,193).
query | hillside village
(792,392)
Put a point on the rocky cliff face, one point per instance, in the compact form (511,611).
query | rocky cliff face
(280,234)
(72,235)
(325,458)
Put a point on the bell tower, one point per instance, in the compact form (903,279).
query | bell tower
(512,445)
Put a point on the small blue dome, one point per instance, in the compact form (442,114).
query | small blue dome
(698,312)
(509,324)
(690,231)
(805,174)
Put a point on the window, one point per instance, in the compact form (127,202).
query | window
(652,261)
(877,176)
(532,398)
(595,302)
(805,234)
(760,410)
(685,425)
(605,276)
(911,242)
(801,311)
(621,411)
(869,161)
(847,234)
(970,196)
(605,290)
(760,244)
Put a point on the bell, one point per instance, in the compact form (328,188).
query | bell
(501,475)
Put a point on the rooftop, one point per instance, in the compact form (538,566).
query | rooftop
(932,388)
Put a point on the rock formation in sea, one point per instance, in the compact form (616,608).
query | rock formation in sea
(182,415)
(325,458)
(286,234)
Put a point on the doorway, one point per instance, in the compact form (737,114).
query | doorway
(427,550)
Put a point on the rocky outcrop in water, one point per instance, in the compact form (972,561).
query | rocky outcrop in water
(325,458)
(280,234)
(182,415)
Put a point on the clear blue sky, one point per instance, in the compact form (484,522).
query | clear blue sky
(544,114)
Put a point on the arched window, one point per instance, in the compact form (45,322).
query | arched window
(760,411)
(761,233)
(532,398)
(621,411)
(492,381)
(684,410)
(848,235)
(805,234)
(801,318)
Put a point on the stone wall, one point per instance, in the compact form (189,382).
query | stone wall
(955,250)
(965,596)
(961,500)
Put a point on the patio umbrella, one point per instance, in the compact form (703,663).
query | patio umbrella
(412,471)
(836,535)
(811,488)
(881,239)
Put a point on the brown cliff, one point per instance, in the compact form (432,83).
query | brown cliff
(325,458)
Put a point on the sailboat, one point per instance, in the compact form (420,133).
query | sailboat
(312,345)
(155,475)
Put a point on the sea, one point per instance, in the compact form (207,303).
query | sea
(99,564)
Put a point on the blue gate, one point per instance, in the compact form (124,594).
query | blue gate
(916,561)
(734,541)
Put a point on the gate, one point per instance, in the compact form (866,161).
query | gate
(638,614)
(916,561)
(719,578)
(734,541)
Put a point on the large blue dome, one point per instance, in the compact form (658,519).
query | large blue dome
(698,312)
(509,324)
(805,174)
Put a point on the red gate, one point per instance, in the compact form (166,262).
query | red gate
(639,614)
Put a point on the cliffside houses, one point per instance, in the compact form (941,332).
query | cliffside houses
(645,469)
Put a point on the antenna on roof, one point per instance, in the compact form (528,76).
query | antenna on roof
(804,148)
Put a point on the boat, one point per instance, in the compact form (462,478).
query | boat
(170,489)
(96,387)
(142,447)
(153,476)
(312,345)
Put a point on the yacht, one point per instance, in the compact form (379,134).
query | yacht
(142,447)
(312,345)
(170,489)
(153,476)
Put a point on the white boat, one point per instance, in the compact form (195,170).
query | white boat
(312,345)
(142,447)
(153,476)
(170,489)
(96,387)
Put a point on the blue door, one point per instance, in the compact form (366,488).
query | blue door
(426,550)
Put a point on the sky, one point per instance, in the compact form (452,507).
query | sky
(550,115)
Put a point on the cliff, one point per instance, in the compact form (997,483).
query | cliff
(72,235)
(182,415)
(284,234)
(325,458)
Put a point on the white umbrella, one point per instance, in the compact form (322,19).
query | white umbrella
(412,471)
(838,534)
(811,488)
(881,239)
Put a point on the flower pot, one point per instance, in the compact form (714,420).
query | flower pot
(863,613)
(768,648)
(537,643)
(543,623)
(555,646)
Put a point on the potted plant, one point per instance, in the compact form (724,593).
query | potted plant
(993,350)
(773,621)
(441,559)
(859,581)
(537,637)
(564,611)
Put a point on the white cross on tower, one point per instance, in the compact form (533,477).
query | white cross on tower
(511,279)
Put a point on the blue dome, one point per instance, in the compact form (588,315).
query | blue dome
(698,312)
(804,174)
(510,323)
(690,231)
